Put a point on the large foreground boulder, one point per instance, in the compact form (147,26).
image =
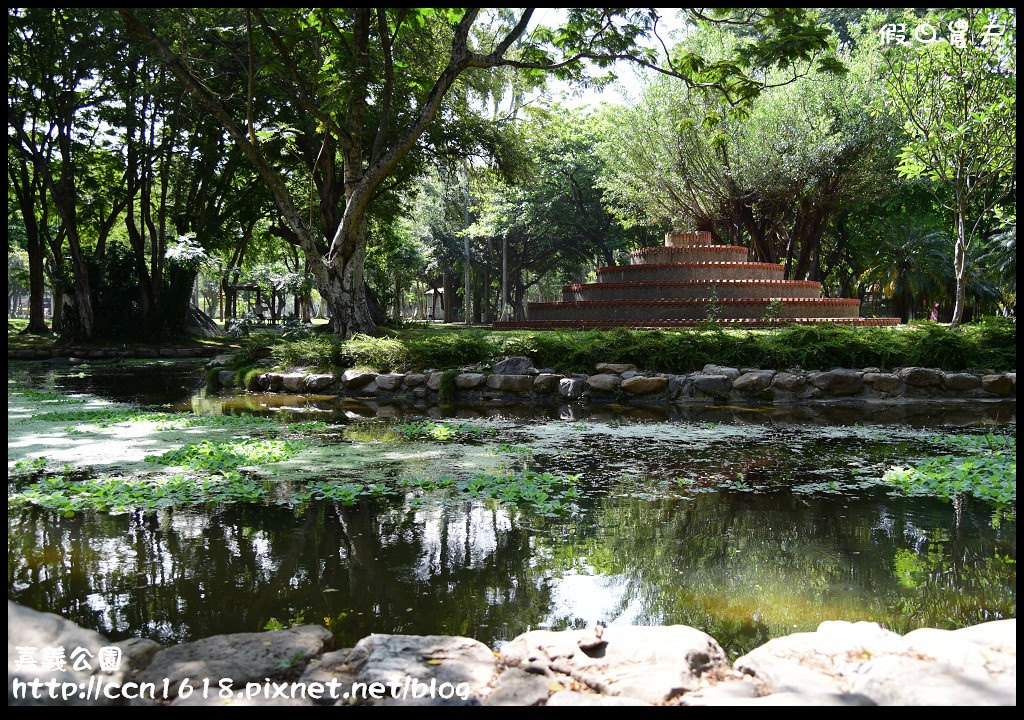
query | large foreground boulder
(46,647)
(459,668)
(841,663)
(642,664)
(859,663)
(239,657)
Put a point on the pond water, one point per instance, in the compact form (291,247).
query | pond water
(747,523)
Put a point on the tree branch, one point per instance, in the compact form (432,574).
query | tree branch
(300,94)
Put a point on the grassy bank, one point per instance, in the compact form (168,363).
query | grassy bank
(990,344)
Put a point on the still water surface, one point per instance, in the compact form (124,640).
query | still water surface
(745,523)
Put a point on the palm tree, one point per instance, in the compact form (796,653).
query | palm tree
(910,264)
(1000,260)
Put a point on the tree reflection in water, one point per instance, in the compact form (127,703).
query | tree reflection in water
(742,566)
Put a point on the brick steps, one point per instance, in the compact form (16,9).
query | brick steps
(688,238)
(696,309)
(693,253)
(690,271)
(688,280)
(691,290)
(608,324)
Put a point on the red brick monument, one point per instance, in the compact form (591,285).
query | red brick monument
(687,281)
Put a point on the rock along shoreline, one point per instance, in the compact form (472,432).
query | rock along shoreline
(841,663)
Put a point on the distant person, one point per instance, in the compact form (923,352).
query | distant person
(935,313)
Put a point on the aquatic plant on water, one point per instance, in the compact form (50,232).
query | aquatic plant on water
(442,432)
(545,492)
(990,474)
(229,454)
(47,396)
(119,495)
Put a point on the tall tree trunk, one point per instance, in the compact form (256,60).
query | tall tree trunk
(485,303)
(960,268)
(448,297)
(306,295)
(763,251)
(505,311)
(465,251)
(65,194)
(82,286)
(29,192)
(56,307)
(397,306)
(136,238)
(54,269)
(341,277)
(808,232)
(902,302)
(36,287)
(518,306)
(478,301)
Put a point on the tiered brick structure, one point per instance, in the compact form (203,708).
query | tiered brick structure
(673,286)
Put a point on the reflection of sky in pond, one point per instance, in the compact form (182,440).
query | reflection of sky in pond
(589,598)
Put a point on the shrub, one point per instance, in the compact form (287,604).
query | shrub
(212,381)
(934,345)
(449,350)
(446,388)
(318,351)
(383,354)
(249,377)
(257,347)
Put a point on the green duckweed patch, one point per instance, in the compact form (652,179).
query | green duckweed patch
(47,396)
(229,454)
(346,493)
(514,449)
(993,480)
(443,431)
(179,421)
(544,492)
(308,426)
(28,467)
(118,495)
(106,417)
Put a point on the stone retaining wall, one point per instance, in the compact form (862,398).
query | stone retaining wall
(841,663)
(96,353)
(517,378)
